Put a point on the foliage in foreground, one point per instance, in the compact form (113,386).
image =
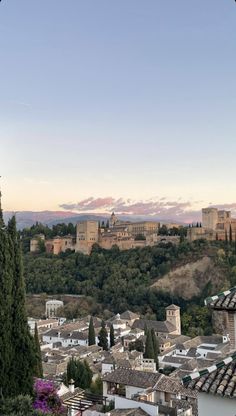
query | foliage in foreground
(19,406)
(47,400)
(17,348)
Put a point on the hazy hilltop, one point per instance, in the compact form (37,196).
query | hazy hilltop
(26,219)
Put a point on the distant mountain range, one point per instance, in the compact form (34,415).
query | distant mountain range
(28,218)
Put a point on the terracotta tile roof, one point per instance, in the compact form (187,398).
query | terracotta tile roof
(158,326)
(128,412)
(170,385)
(69,394)
(223,301)
(133,378)
(175,360)
(218,379)
(128,315)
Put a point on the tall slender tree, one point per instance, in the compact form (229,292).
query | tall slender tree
(155,346)
(38,367)
(149,350)
(6,278)
(230,234)
(102,337)
(23,362)
(91,334)
(112,336)
(80,372)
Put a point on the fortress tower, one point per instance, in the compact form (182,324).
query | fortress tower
(209,218)
(86,236)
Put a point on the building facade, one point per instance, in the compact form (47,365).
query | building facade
(86,236)
(52,307)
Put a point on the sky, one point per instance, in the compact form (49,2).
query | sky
(127,105)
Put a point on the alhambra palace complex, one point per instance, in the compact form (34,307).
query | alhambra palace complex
(216,225)
(123,234)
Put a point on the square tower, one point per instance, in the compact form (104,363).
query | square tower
(173,316)
(86,235)
(209,218)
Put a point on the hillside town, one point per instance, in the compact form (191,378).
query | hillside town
(187,377)
(117,208)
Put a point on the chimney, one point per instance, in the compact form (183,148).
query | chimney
(71,385)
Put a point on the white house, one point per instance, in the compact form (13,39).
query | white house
(66,338)
(124,386)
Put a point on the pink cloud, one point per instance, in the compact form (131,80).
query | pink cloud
(159,208)
(182,211)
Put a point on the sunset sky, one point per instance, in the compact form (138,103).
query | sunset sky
(127,104)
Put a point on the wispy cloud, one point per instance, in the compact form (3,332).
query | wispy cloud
(162,208)
(34,181)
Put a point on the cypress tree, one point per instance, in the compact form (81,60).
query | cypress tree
(149,350)
(112,336)
(91,334)
(6,278)
(155,346)
(230,234)
(80,372)
(1,213)
(71,371)
(85,378)
(38,367)
(102,337)
(23,361)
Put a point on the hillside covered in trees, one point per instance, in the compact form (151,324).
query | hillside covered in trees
(119,280)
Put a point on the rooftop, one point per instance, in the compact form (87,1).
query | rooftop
(219,379)
(128,315)
(223,301)
(128,412)
(171,385)
(172,307)
(134,378)
(158,326)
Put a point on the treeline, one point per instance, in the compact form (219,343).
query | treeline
(118,280)
(115,278)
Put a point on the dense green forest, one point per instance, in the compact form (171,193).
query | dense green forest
(119,280)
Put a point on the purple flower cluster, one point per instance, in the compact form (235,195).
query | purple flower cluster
(46,398)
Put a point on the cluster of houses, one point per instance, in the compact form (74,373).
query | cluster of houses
(202,370)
